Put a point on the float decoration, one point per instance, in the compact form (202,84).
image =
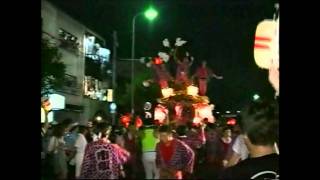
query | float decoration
(181,100)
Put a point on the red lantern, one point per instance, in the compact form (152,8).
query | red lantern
(232,122)
(158,61)
(138,122)
(125,120)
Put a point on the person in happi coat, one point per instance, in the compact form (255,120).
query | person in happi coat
(174,158)
(203,73)
(103,159)
(183,70)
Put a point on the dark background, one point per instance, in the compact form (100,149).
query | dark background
(219,31)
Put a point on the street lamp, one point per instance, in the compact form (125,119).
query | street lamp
(150,14)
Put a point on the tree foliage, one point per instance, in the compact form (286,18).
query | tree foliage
(52,68)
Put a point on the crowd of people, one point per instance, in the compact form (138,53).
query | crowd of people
(207,151)
(247,150)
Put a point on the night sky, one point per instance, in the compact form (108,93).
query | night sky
(219,31)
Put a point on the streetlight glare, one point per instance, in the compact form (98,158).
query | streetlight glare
(151,13)
(99,118)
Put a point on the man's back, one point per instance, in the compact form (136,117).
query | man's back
(264,167)
(103,160)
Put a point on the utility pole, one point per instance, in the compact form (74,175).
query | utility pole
(114,72)
(114,60)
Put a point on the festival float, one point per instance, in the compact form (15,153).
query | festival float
(184,97)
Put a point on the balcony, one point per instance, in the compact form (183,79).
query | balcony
(70,46)
(68,41)
(71,86)
(65,41)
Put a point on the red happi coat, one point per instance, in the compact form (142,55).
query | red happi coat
(197,136)
(193,143)
(103,160)
(203,73)
(181,160)
(182,71)
(193,139)
(162,76)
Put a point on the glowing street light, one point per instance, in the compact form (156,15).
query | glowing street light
(256,97)
(150,14)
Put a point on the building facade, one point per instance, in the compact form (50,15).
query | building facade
(85,57)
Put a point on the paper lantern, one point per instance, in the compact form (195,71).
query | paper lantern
(203,111)
(266,45)
(192,90)
(167,92)
(160,113)
(196,120)
(49,116)
(57,101)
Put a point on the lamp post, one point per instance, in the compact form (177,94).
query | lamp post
(114,58)
(150,14)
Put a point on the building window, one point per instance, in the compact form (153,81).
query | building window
(68,41)
(70,85)
(93,49)
(94,89)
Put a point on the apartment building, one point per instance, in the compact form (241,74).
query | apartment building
(85,56)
